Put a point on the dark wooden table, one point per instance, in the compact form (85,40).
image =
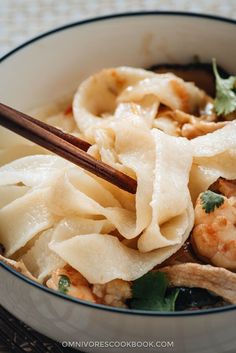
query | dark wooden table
(16,337)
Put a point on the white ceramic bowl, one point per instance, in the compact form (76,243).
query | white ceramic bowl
(53,64)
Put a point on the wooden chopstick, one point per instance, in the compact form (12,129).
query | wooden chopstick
(76,141)
(64,145)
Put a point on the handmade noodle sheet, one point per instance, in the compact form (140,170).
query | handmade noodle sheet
(64,215)
(111,87)
(32,170)
(215,143)
(39,259)
(102,258)
(168,89)
(23,218)
(104,87)
(170,196)
(10,193)
(121,261)
(214,156)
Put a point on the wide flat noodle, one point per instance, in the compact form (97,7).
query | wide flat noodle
(23,218)
(200,179)
(169,90)
(32,170)
(67,199)
(77,192)
(72,226)
(63,214)
(172,158)
(214,156)
(214,143)
(102,257)
(111,87)
(40,260)
(104,87)
(10,193)
(131,136)
(170,196)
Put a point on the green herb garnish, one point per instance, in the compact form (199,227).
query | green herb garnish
(149,293)
(225,101)
(63,284)
(210,200)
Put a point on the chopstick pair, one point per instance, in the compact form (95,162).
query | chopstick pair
(65,145)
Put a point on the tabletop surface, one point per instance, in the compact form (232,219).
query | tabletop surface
(21,20)
(16,337)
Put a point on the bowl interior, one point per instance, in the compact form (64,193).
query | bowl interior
(53,65)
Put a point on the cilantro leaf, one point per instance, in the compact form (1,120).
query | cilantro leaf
(210,200)
(170,300)
(149,293)
(225,101)
(63,284)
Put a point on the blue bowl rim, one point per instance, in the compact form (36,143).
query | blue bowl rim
(75,300)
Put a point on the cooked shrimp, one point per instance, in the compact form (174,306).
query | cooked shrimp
(77,286)
(113,293)
(214,233)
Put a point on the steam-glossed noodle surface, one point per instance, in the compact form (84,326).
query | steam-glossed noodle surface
(136,121)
